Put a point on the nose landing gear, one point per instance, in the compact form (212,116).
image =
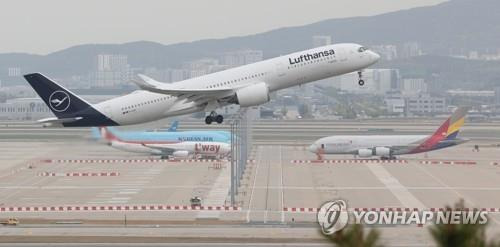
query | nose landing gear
(361,82)
(214,117)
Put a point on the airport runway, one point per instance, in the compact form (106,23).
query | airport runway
(279,182)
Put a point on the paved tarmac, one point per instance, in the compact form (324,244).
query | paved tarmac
(270,187)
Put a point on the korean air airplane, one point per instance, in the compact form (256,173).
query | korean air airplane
(248,85)
(387,146)
(179,145)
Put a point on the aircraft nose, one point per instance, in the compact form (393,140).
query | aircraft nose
(375,56)
(313,148)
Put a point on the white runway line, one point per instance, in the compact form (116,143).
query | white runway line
(259,159)
(281,183)
(134,179)
(217,194)
(466,200)
(406,198)
(127,192)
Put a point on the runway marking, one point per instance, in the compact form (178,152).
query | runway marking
(281,183)
(78,174)
(121,187)
(127,161)
(96,208)
(127,192)
(447,162)
(349,161)
(395,209)
(254,181)
(397,189)
(445,185)
(359,161)
(217,194)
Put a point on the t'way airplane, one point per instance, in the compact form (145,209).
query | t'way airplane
(387,146)
(248,85)
(178,145)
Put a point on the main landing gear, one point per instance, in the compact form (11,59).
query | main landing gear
(361,82)
(214,117)
(388,158)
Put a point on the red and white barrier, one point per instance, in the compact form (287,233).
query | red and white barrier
(117,161)
(361,161)
(95,208)
(349,161)
(447,162)
(315,210)
(79,174)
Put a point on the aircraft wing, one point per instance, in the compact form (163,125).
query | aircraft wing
(151,85)
(163,148)
(404,148)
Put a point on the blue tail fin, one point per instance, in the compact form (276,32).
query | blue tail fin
(62,102)
(66,105)
(173,126)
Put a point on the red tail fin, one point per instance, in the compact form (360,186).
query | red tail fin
(107,134)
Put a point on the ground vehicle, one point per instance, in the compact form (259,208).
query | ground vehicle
(195,201)
(10,222)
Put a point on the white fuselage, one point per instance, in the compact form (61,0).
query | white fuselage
(278,73)
(191,148)
(352,144)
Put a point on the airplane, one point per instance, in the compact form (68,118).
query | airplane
(179,145)
(388,146)
(248,85)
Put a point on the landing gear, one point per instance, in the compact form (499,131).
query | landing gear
(361,82)
(214,117)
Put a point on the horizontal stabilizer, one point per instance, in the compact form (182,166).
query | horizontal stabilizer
(53,121)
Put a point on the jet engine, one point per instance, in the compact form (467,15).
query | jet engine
(365,153)
(252,95)
(180,154)
(382,151)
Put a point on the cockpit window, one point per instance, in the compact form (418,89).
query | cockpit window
(362,49)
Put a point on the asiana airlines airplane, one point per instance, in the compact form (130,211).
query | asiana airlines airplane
(248,85)
(389,146)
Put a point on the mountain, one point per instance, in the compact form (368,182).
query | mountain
(456,25)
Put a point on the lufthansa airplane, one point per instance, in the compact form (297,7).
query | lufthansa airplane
(388,146)
(248,85)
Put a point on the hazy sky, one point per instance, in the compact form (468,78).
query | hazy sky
(42,27)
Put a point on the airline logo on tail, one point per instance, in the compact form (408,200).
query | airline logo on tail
(447,131)
(59,101)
